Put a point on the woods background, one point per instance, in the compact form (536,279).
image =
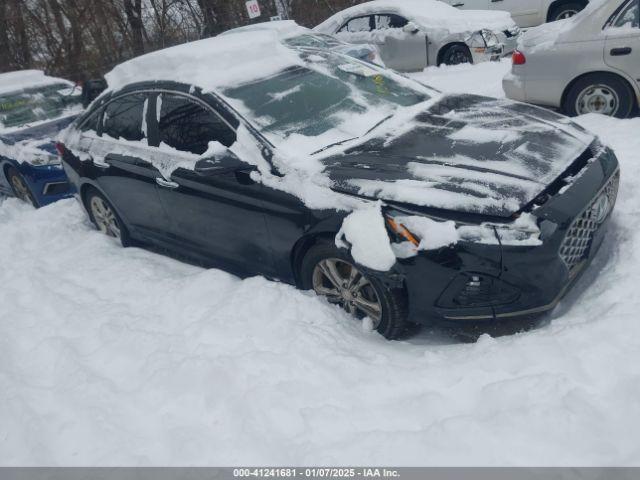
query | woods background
(80,39)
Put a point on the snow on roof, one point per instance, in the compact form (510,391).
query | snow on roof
(284,28)
(22,79)
(425,13)
(211,63)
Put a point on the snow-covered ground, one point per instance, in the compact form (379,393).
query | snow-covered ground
(126,357)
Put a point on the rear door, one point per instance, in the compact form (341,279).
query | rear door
(221,216)
(122,165)
(622,46)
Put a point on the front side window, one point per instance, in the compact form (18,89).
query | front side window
(385,22)
(630,16)
(123,117)
(189,127)
(357,25)
(32,105)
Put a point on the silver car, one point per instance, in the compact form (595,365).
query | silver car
(413,34)
(589,63)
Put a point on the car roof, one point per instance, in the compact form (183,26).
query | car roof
(24,79)
(211,64)
(284,28)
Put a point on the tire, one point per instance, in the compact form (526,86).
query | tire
(20,188)
(565,10)
(392,320)
(105,219)
(456,55)
(603,93)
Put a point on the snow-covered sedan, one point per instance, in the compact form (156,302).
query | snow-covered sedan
(586,64)
(390,199)
(413,34)
(34,108)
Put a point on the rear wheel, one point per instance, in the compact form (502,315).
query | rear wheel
(565,10)
(602,93)
(456,55)
(331,273)
(20,188)
(105,218)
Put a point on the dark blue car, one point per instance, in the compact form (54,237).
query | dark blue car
(34,108)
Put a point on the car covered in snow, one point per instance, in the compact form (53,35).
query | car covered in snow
(295,35)
(526,13)
(34,108)
(413,34)
(399,203)
(589,63)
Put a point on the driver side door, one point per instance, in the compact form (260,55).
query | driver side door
(622,46)
(218,216)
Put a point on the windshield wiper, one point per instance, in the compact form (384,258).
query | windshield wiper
(341,142)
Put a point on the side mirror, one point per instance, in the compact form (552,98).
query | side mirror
(219,163)
(411,28)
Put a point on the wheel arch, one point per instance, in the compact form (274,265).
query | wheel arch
(302,246)
(557,3)
(629,83)
(448,45)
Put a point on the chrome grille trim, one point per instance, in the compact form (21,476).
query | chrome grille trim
(577,242)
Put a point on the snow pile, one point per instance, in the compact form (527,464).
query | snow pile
(125,357)
(210,63)
(365,233)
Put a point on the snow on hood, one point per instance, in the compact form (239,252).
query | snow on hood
(16,81)
(467,154)
(210,63)
(428,14)
(584,26)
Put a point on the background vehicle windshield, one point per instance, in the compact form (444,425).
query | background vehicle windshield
(22,108)
(331,99)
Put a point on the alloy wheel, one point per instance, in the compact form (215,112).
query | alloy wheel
(21,190)
(105,218)
(343,284)
(597,99)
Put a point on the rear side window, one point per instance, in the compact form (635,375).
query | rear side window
(359,24)
(630,16)
(123,117)
(189,127)
(385,22)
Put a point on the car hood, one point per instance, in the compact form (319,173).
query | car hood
(467,154)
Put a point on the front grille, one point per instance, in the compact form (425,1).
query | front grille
(577,242)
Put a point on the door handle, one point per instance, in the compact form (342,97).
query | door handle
(457,5)
(166,183)
(496,1)
(619,52)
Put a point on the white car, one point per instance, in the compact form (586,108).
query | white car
(413,34)
(526,13)
(586,64)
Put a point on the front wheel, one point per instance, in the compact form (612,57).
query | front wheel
(105,218)
(331,273)
(602,93)
(456,55)
(20,188)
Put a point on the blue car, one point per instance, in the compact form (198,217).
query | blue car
(34,108)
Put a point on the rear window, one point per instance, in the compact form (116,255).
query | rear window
(26,107)
(123,117)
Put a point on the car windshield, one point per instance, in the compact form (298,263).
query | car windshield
(33,105)
(330,99)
